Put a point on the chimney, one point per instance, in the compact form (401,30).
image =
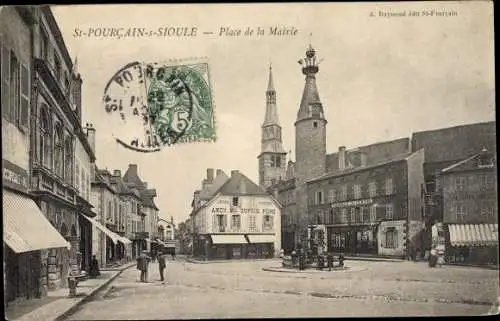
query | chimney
(132,168)
(219,172)
(117,173)
(91,136)
(210,175)
(234,172)
(341,158)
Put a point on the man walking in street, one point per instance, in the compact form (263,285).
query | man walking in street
(162,265)
(142,265)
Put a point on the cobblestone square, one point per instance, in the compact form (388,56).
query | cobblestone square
(244,289)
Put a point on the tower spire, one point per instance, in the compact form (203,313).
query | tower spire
(310,103)
(270,85)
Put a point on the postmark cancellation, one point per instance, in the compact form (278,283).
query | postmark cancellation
(156,104)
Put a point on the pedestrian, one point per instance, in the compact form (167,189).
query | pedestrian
(142,265)
(161,264)
(153,256)
(341,260)
(329,260)
(433,257)
(94,267)
(173,255)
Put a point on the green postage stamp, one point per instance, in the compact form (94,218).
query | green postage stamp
(161,103)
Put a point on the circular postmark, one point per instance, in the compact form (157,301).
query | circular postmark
(159,104)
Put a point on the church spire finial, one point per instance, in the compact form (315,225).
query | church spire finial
(270,85)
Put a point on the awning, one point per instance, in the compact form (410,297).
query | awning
(160,242)
(473,234)
(124,240)
(25,227)
(263,238)
(112,235)
(229,239)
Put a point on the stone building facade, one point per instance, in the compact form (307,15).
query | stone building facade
(235,219)
(470,208)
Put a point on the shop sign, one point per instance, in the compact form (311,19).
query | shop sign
(141,235)
(354,203)
(14,176)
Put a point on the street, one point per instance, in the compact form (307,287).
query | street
(243,289)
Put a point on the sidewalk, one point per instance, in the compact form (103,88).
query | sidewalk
(56,305)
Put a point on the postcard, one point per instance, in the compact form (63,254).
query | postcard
(249,160)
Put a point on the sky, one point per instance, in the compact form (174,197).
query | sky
(381,77)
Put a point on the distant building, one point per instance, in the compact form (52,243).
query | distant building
(470,208)
(445,147)
(234,218)
(369,209)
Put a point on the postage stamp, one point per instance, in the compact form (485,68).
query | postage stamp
(159,104)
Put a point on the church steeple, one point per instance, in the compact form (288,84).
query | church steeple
(271,117)
(272,159)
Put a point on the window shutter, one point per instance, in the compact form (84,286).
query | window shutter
(5,91)
(25,96)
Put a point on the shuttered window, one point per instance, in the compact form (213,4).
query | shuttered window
(25,96)
(5,62)
(15,88)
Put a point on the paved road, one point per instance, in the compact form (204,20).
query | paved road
(243,289)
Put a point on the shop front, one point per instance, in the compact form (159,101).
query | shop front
(260,246)
(472,244)
(26,234)
(358,239)
(227,246)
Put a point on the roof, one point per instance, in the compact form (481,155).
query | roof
(241,185)
(469,163)
(218,181)
(131,176)
(455,143)
(121,188)
(373,153)
(310,96)
(100,180)
(395,159)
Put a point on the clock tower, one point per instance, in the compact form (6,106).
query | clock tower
(272,159)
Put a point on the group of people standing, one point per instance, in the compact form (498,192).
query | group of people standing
(143,264)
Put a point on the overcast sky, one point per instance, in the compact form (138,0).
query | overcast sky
(381,78)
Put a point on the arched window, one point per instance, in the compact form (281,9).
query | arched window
(58,151)
(68,157)
(45,141)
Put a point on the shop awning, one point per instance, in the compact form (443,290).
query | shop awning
(25,227)
(262,238)
(124,240)
(112,235)
(229,239)
(473,234)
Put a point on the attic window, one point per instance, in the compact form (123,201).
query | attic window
(315,124)
(235,201)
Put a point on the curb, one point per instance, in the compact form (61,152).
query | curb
(375,259)
(85,299)
(224,261)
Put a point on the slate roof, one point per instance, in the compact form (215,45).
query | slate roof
(219,180)
(455,143)
(131,177)
(239,184)
(374,153)
(395,159)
